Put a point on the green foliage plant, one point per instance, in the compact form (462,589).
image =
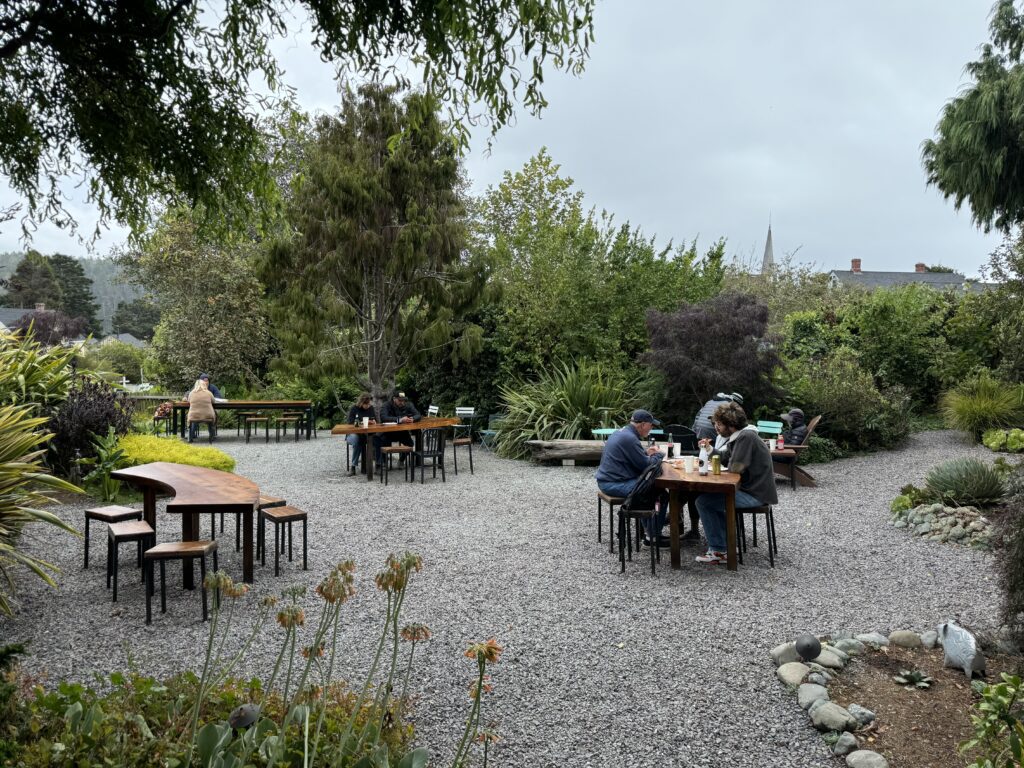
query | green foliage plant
(821,450)
(965,482)
(913,679)
(24,487)
(300,714)
(982,402)
(33,282)
(33,375)
(77,300)
(1009,552)
(856,415)
(143,449)
(113,359)
(563,403)
(998,739)
(107,458)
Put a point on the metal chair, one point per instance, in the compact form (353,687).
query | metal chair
(433,411)
(433,449)
(466,415)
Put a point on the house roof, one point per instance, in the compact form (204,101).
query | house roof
(10,315)
(128,338)
(938,280)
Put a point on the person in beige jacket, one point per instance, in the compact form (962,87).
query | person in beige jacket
(200,408)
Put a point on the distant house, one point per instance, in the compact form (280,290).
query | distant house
(127,338)
(940,281)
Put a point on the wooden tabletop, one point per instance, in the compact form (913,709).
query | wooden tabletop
(428,422)
(253,404)
(192,486)
(672,476)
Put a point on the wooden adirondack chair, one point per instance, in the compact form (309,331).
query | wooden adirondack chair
(788,467)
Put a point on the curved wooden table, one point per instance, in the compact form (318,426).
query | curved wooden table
(417,427)
(196,490)
(676,480)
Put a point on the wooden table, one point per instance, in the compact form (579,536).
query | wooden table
(306,406)
(678,481)
(417,427)
(196,490)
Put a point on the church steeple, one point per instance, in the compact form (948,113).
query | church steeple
(768,262)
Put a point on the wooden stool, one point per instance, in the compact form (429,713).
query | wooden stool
(286,421)
(280,516)
(184,551)
(769,524)
(112,514)
(387,452)
(253,422)
(138,531)
(266,502)
(240,417)
(459,441)
(613,502)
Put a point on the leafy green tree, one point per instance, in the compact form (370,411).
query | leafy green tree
(212,315)
(77,300)
(977,156)
(191,80)
(117,357)
(139,318)
(375,276)
(33,282)
(1006,305)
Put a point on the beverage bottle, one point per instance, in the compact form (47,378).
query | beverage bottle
(781,444)
(702,460)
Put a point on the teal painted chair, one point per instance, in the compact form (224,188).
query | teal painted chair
(769,427)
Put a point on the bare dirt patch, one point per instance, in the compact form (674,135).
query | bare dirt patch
(920,728)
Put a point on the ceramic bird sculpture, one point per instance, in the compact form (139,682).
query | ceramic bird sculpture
(961,649)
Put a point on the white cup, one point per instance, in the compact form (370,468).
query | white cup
(366,421)
(677,449)
(690,463)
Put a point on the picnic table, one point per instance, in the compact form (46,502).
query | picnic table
(306,406)
(196,490)
(416,427)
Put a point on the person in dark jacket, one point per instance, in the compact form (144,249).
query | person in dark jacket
(398,410)
(624,459)
(746,455)
(213,387)
(796,430)
(361,409)
(702,421)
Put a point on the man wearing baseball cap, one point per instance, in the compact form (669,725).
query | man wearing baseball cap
(400,411)
(624,459)
(702,425)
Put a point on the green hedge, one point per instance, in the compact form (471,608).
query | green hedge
(1010,440)
(143,449)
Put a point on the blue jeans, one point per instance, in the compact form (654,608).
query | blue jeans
(711,508)
(357,443)
(625,487)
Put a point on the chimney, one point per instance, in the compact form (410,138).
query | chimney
(40,307)
(920,267)
(855,266)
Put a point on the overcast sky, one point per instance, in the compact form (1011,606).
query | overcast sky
(704,119)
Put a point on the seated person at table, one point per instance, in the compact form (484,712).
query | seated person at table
(399,410)
(624,459)
(200,408)
(746,455)
(796,430)
(361,409)
(212,387)
(702,425)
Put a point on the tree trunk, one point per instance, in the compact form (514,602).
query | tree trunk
(554,450)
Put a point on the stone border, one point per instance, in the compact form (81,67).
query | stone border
(966,526)
(810,681)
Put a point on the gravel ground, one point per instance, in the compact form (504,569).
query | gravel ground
(599,669)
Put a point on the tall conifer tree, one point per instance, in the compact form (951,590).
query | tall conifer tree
(77,300)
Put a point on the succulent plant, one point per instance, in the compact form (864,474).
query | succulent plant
(965,483)
(913,679)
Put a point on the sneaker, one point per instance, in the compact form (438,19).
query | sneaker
(691,535)
(718,558)
(352,470)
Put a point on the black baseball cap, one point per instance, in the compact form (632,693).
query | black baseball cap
(640,416)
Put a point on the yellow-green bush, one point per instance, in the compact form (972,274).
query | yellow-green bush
(143,449)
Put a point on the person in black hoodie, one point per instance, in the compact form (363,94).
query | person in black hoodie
(361,409)
(398,410)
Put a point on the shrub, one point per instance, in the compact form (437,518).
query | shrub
(563,404)
(855,414)
(143,449)
(982,403)
(1010,553)
(998,727)
(21,482)
(965,483)
(34,376)
(1009,440)
(92,408)
(108,457)
(821,450)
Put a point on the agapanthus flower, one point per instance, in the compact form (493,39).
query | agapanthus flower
(291,616)
(415,633)
(489,651)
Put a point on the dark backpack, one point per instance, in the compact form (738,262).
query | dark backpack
(643,493)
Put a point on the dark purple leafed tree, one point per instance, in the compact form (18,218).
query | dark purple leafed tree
(50,326)
(720,345)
